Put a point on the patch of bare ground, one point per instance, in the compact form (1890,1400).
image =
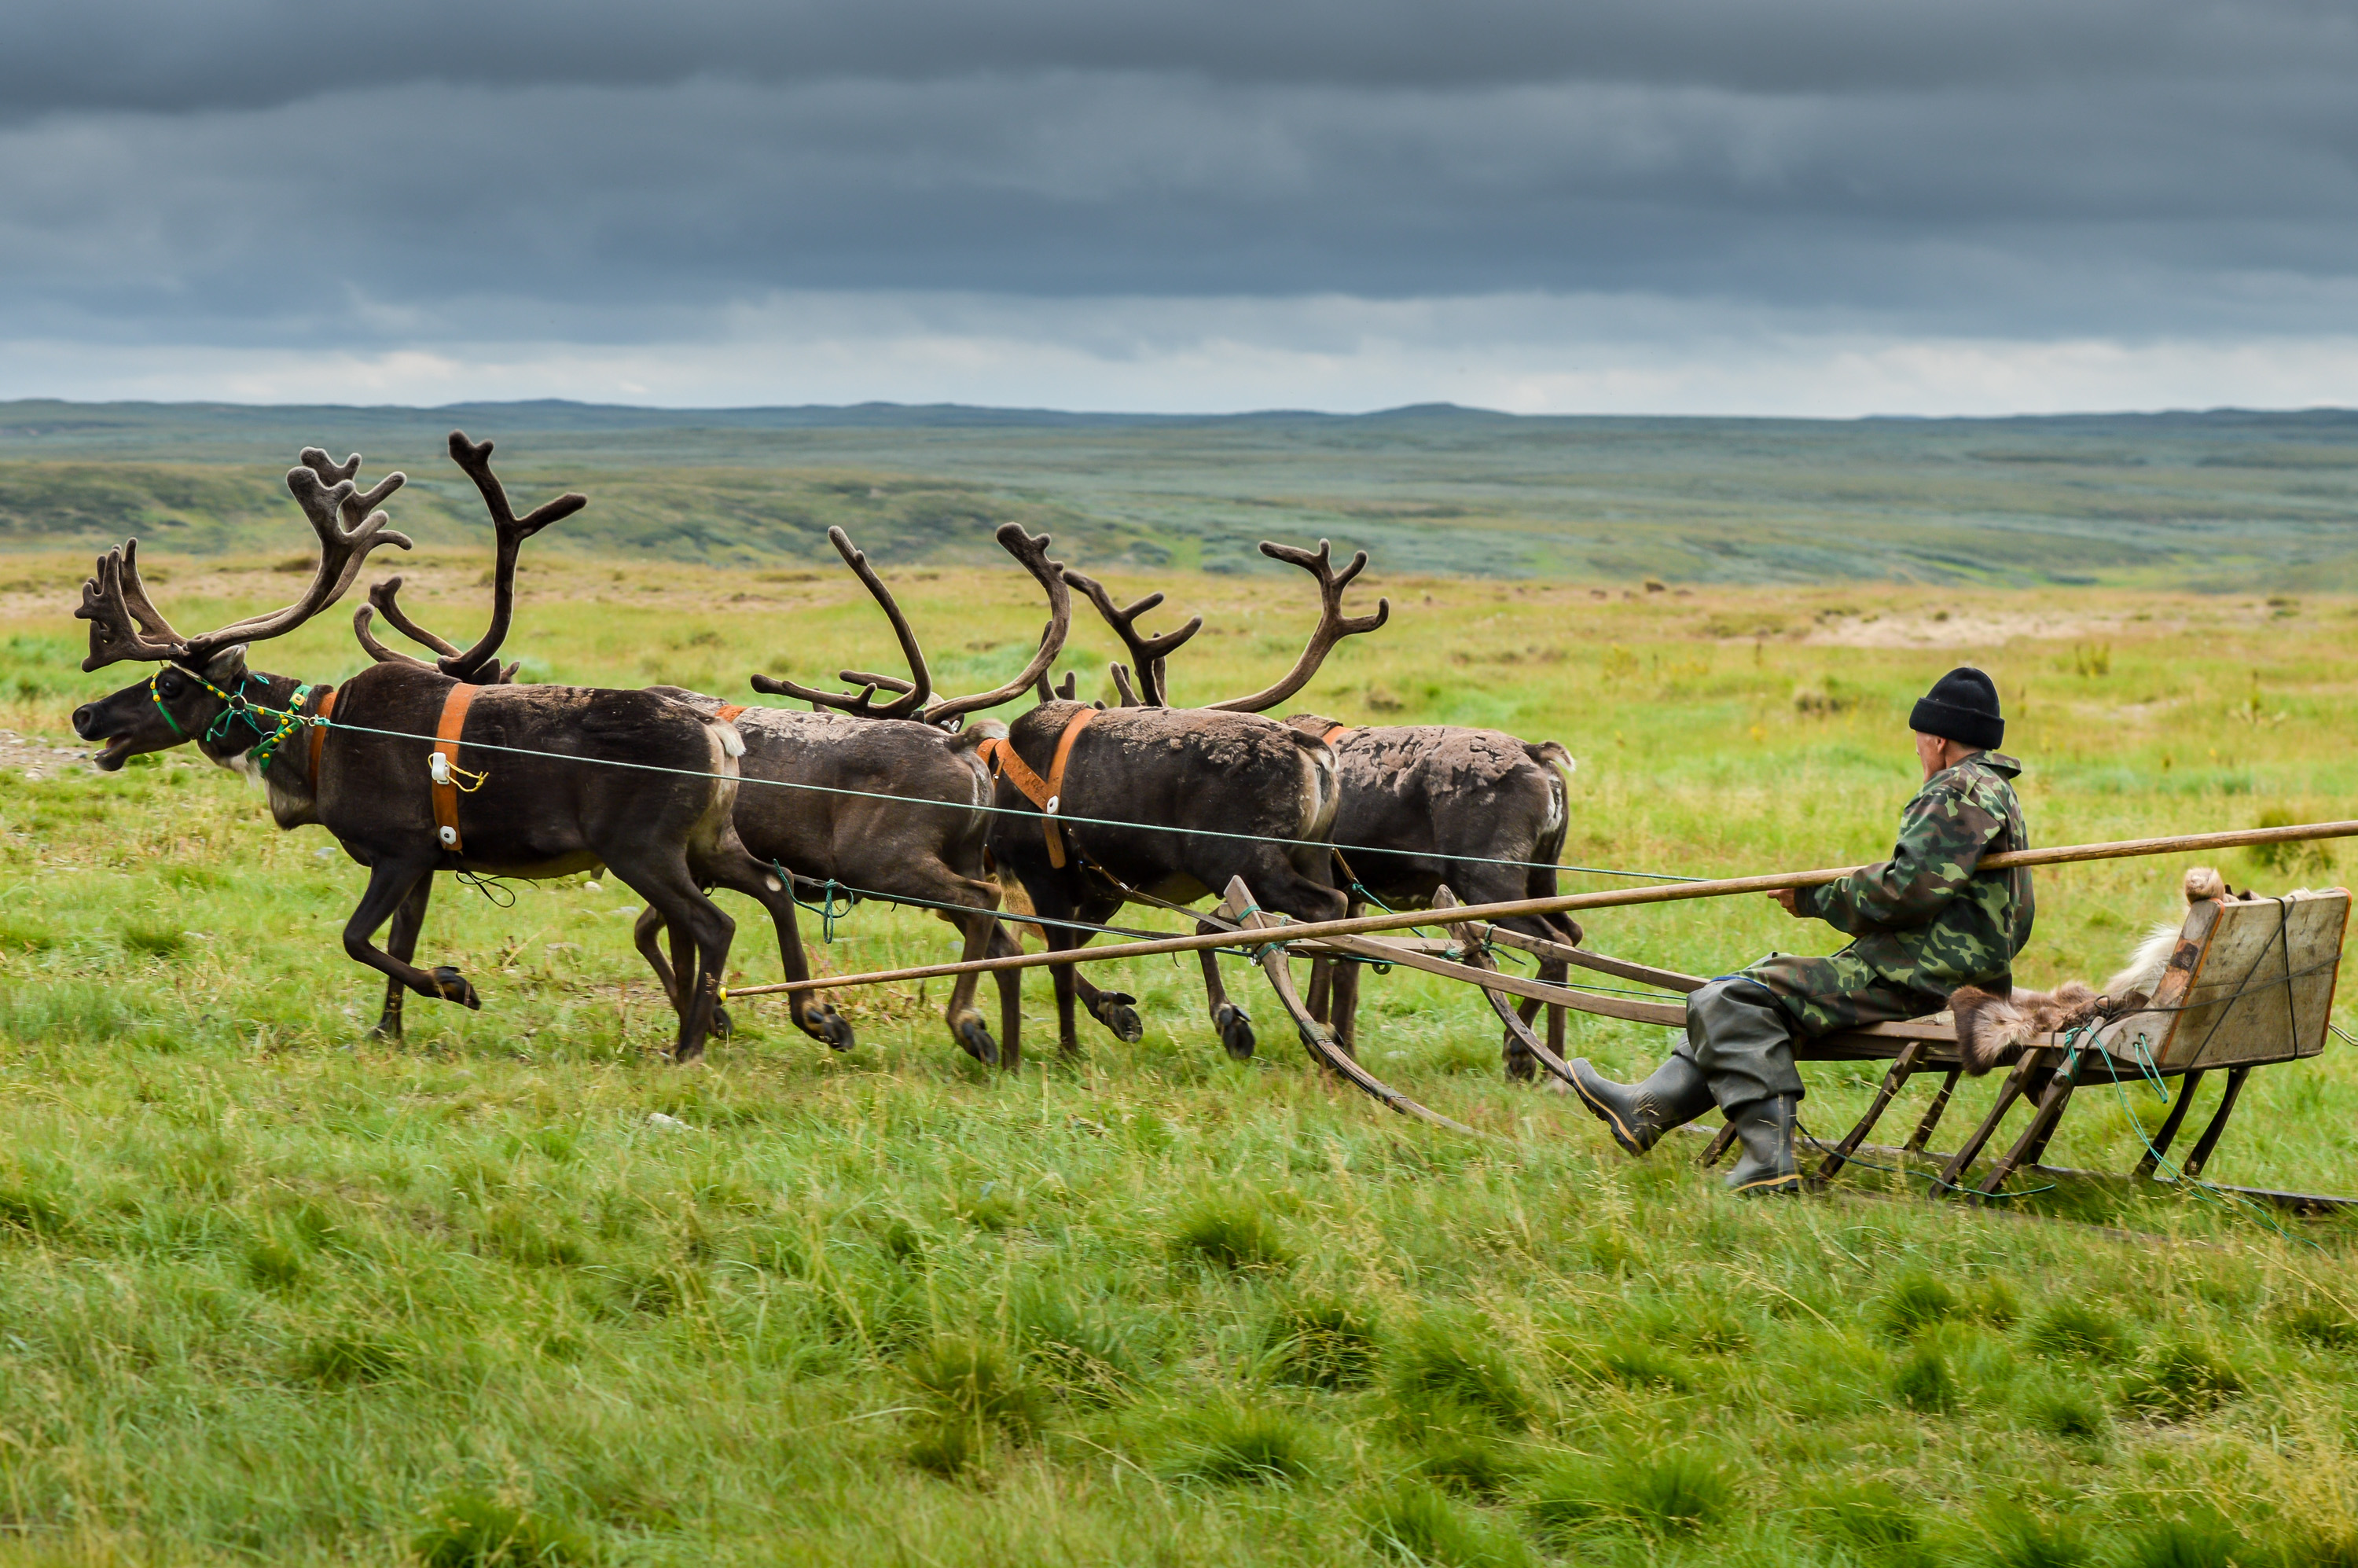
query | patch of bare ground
(36,758)
(1981,627)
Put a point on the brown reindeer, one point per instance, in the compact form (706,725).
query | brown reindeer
(1428,805)
(421,770)
(928,841)
(1176,801)
(875,797)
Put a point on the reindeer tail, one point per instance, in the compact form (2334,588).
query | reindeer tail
(1990,1028)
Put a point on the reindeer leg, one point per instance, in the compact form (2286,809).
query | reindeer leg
(1346,1016)
(740,873)
(671,888)
(966,1024)
(1011,999)
(1320,998)
(1235,1027)
(642,936)
(389,886)
(403,945)
(1118,1010)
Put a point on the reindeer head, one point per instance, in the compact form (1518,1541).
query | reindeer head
(200,678)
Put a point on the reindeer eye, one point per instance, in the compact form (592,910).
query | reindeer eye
(169,686)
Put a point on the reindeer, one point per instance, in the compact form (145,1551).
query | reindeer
(1431,805)
(387,777)
(876,797)
(1422,806)
(1199,797)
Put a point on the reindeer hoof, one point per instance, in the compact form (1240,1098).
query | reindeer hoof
(722,1028)
(1521,1065)
(830,1028)
(1114,1010)
(686,1054)
(975,1041)
(1236,1032)
(451,986)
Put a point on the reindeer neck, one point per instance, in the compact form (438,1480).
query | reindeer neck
(253,732)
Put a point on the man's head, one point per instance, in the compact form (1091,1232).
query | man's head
(1957,717)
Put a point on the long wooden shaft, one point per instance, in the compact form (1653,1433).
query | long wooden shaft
(1613,898)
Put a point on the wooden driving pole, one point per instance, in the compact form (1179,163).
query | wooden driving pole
(1613,898)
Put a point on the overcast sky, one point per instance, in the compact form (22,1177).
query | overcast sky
(1810,207)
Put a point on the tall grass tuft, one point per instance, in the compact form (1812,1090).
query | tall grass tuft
(973,1380)
(475,1530)
(2187,1543)
(1247,1446)
(1454,1366)
(1916,1301)
(1414,1523)
(1320,1343)
(2071,1328)
(1922,1383)
(2022,1539)
(2181,1381)
(1230,1234)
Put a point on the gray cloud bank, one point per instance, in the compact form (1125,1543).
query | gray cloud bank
(344,175)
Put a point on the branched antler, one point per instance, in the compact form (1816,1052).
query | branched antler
(1332,628)
(383,597)
(510,532)
(913,693)
(124,624)
(1031,549)
(1147,654)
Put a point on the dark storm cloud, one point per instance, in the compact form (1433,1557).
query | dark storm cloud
(372,173)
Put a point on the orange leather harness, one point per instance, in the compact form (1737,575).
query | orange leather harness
(445,777)
(1335,730)
(320,734)
(1048,794)
(728,712)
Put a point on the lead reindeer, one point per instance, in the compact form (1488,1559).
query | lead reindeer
(1144,802)
(877,797)
(390,778)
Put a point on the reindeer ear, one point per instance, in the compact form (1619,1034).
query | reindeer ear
(227,666)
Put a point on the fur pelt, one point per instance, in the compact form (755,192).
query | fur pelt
(1993,1030)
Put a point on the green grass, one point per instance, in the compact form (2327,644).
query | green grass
(270,1292)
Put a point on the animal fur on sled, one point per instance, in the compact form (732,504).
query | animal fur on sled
(1994,1031)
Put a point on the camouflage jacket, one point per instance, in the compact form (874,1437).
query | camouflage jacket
(1924,922)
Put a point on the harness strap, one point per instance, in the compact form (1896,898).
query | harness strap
(1335,730)
(728,712)
(444,769)
(1047,793)
(320,732)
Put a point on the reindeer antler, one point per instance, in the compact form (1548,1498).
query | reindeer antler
(913,693)
(1332,628)
(1147,654)
(510,532)
(1031,549)
(126,625)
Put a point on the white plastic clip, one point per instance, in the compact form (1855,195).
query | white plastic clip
(449,837)
(1050,807)
(438,766)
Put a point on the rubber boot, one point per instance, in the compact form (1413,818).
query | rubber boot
(1764,1129)
(1638,1115)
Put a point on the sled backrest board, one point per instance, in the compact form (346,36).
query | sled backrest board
(2251,982)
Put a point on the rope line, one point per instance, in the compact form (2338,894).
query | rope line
(315,722)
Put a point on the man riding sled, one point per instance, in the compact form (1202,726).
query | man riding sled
(1922,924)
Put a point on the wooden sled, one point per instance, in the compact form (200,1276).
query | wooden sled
(2250,984)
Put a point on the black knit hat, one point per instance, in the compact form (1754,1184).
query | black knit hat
(1960,706)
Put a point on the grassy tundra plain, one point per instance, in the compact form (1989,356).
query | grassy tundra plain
(518,1292)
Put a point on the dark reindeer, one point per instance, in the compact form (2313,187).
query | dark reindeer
(813,816)
(1422,806)
(1184,783)
(544,809)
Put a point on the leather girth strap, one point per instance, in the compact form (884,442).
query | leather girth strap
(446,746)
(1047,794)
(728,712)
(1335,730)
(320,734)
